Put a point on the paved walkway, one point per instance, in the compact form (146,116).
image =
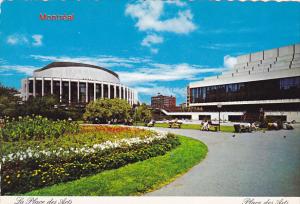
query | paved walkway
(249,164)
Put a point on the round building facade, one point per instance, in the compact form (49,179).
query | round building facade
(76,83)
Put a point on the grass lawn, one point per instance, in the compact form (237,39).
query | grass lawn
(191,126)
(134,179)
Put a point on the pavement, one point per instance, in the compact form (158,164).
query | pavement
(246,164)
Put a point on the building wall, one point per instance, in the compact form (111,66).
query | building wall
(84,90)
(76,83)
(161,101)
(76,72)
(225,116)
(259,67)
(291,115)
(271,64)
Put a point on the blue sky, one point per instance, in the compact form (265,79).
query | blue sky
(154,46)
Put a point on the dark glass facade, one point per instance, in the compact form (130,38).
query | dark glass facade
(112,91)
(47,88)
(74,92)
(56,89)
(284,88)
(90,91)
(98,91)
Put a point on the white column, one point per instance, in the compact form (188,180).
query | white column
(108,90)
(94,91)
(69,91)
(34,91)
(123,87)
(60,90)
(78,97)
(115,91)
(43,85)
(127,94)
(86,92)
(102,90)
(51,86)
(129,99)
(133,97)
(120,91)
(27,89)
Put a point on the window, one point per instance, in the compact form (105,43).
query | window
(286,88)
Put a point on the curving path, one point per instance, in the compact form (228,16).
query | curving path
(249,164)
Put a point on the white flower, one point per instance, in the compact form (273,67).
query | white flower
(35,153)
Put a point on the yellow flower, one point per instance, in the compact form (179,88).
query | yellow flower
(7,176)
(8,182)
(18,175)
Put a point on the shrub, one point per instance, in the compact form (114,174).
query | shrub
(25,171)
(35,128)
(107,110)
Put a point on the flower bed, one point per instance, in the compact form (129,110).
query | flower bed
(27,166)
(35,128)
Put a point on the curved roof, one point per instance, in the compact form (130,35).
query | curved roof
(75,64)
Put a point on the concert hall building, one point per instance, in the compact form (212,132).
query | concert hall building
(268,80)
(76,83)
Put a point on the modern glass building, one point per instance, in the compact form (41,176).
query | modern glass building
(76,83)
(267,80)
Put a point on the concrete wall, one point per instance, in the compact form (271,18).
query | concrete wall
(215,115)
(270,53)
(243,59)
(256,56)
(291,115)
(288,50)
(82,73)
(270,64)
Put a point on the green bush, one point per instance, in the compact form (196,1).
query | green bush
(107,110)
(23,175)
(35,128)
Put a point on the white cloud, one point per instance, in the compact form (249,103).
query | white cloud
(37,40)
(164,72)
(18,68)
(148,14)
(1,1)
(142,70)
(229,61)
(16,39)
(154,89)
(101,60)
(176,2)
(154,50)
(21,39)
(152,39)
(2,61)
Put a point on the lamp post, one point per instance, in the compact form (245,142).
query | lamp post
(219,109)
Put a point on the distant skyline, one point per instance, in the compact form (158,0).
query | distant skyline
(154,46)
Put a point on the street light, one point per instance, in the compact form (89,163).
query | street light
(219,109)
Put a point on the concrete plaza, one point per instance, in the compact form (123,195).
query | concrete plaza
(248,164)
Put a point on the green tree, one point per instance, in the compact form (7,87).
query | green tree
(8,101)
(142,113)
(49,106)
(107,109)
